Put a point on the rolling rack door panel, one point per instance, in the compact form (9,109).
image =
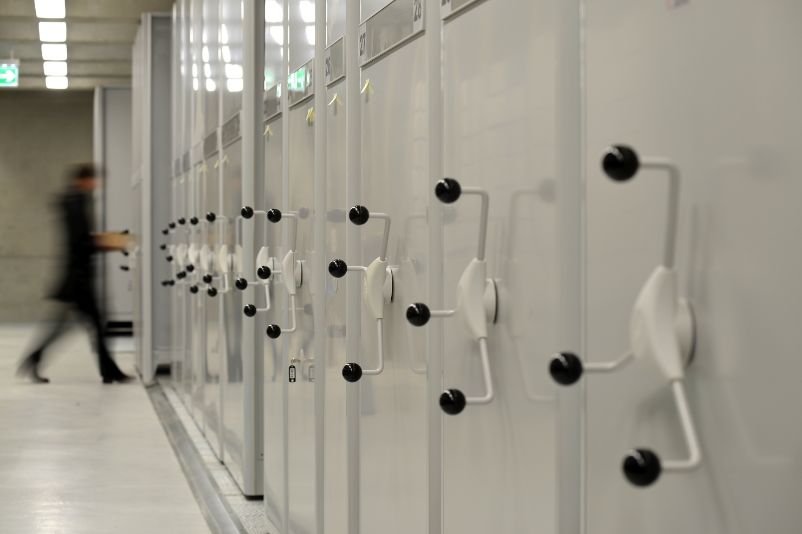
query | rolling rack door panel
(673,91)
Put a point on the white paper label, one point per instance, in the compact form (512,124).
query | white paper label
(327,66)
(417,16)
(363,43)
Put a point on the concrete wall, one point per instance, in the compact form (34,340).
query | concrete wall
(41,133)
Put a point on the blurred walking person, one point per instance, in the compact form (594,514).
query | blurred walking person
(76,290)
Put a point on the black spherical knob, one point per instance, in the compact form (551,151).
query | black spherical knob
(241,284)
(211,216)
(263,272)
(165,231)
(212,292)
(418,314)
(164,283)
(359,215)
(171,225)
(126,232)
(246,212)
(207,279)
(163,246)
(620,162)
(124,268)
(642,467)
(452,401)
(274,215)
(338,268)
(193,221)
(352,372)
(566,368)
(182,221)
(190,268)
(249,310)
(273,331)
(448,190)
(169,258)
(170,283)
(181,275)
(193,289)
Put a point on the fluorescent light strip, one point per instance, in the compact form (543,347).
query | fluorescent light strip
(233,71)
(52,32)
(307,9)
(57,82)
(234,85)
(54,52)
(50,9)
(55,68)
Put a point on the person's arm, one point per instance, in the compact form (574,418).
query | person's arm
(111,241)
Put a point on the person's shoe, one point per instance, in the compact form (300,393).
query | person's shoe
(30,370)
(121,378)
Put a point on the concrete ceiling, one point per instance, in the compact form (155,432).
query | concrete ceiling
(100,34)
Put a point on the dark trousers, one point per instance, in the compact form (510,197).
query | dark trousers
(87,309)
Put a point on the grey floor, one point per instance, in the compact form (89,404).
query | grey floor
(248,513)
(78,457)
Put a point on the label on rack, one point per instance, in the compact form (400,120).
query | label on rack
(335,61)
(363,43)
(292,374)
(417,16)
(391,27)
(449,7)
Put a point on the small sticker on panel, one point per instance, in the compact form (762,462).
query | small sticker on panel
(292,374)
(327,66)
(363,43)
(417,16)
(674,4)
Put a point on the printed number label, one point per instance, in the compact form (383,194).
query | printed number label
(363,43)
(292,374)
(417,15)
(328,68)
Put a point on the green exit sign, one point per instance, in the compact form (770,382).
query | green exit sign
(9,73)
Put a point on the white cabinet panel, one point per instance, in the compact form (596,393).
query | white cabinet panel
(710,86)
(500,461)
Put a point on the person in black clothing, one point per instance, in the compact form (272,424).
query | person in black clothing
(76,289)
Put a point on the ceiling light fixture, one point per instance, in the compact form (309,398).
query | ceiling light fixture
(273,12)
(234,86)
(277,34)
(50,9)
(233,71)
(307,9)
(56,82)
(54,52)
(55,68)
(52,32)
